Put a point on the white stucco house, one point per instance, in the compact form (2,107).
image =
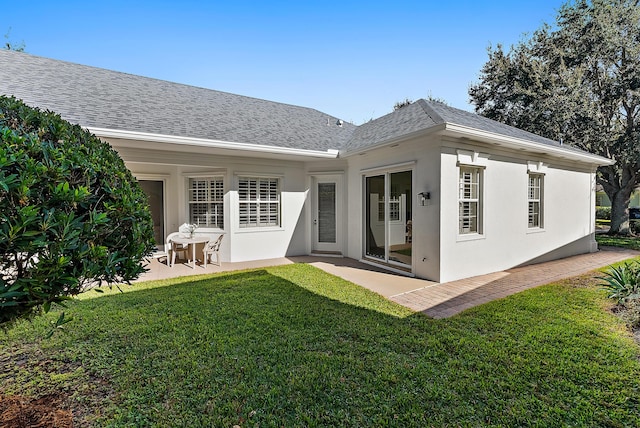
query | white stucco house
(428,190)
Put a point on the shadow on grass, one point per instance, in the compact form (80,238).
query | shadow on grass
(294,346)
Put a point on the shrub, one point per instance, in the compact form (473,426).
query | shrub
(71,213)
(623,282)
(603,213)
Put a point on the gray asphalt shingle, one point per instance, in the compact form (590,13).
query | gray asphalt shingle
(95,97)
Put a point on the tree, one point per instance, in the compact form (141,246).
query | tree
(71,214)
(9,45)
(578,83)
(399,104)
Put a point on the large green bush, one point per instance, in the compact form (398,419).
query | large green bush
(71,213)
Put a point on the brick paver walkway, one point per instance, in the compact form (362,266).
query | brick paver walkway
(447,299)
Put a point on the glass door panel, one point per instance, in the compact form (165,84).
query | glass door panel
(375,241)
(400,215)
(327,213)
(388,218)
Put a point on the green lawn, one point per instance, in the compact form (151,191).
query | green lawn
(619,241)
(293,346)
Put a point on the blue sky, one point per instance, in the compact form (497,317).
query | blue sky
(351,59)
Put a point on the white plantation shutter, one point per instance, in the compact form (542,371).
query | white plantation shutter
(259,202)
(206,202)
(534,196)
(469,200)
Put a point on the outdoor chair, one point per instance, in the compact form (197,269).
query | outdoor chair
(212,247)
(173,248)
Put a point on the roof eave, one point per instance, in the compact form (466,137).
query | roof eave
(455,130)
(209,143)
(391,141)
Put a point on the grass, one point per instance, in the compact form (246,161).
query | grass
(619,241)
(294,346)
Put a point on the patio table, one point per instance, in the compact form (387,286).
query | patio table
(191,242)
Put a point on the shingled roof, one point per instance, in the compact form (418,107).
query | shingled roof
(422,116)
(99,98)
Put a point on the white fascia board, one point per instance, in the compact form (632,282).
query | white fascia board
(203,142)
(517,143)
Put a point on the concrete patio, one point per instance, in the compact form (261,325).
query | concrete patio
(438,300)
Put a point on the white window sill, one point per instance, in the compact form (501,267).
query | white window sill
(470,237)
(208,231)
(258,229)
(535,230)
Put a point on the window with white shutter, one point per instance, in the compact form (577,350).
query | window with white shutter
(206,202)
(470,200)
(259,202)
(535,198)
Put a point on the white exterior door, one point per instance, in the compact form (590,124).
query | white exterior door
(327,214)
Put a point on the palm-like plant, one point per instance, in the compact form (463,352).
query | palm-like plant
(622,282)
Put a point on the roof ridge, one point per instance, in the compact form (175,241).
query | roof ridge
(430,111)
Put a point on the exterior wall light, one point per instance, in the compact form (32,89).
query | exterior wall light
(423,197)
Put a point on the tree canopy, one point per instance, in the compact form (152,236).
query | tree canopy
(71,214)
(577,82)
(12,46)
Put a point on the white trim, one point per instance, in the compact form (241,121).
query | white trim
(537,168)
(338,245)
(205,142)
(258,229)
(279,181)
(470,237)
(388,168)
(320,173)
(385,171)
(535,230)
(214,173)
(480,203)
(540,200)
(151,177)
(163,178)
(521,144)
(472,158)
(386,266)
(189,202)
(257,174)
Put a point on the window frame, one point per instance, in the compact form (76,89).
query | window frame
(217,200)
(474,198)
(533,199)
(262,202)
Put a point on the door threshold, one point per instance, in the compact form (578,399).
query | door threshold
(326,254)
(392,268)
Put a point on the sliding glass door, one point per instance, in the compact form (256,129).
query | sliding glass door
(388,218)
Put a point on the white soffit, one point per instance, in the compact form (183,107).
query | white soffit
(206,143)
